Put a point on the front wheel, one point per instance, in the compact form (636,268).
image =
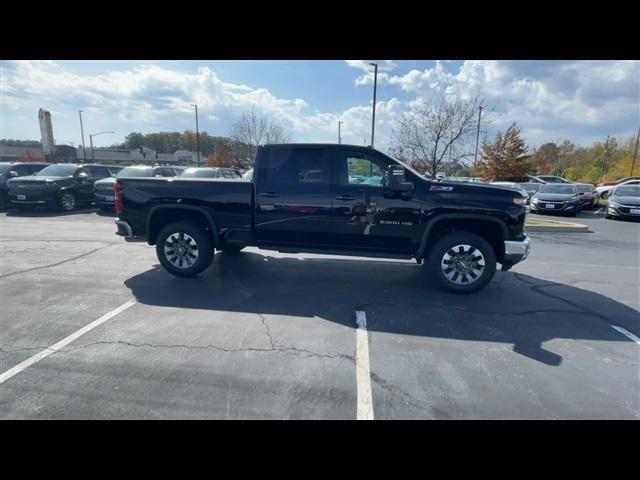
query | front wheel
(462,262)
(67,202)
(184,249)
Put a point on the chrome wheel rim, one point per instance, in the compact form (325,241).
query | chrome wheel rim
(462,264)
(181,250)
(68,202)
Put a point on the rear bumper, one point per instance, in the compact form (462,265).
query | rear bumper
(515,252)
(124,230)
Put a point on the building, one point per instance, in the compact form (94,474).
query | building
(46,132)
(20,154)
(142,155)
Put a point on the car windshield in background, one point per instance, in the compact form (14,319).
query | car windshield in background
(135,172)
(199,173)
(628,191)
(557,188)
(57,171)
(585,188)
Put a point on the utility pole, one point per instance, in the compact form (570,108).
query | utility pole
(635,153)
(84,150)
(339,137)
(475,158)
(375,85)
(604,158)
(197,133)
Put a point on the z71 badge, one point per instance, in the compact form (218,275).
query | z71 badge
(441,188)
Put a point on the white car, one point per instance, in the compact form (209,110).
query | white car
(605,191)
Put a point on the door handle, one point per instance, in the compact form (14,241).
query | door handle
(345,197)
(269,195)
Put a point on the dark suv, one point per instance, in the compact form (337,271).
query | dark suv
(61,185)
(12,170)
(103,189)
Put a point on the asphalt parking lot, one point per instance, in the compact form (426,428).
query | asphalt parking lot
(263,335)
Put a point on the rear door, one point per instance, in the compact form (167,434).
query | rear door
(293,197)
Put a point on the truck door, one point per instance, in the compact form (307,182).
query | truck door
(363,216)
(293,196)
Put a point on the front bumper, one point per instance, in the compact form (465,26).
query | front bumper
(124,230)
(623,211)
(515,252)
(540,207)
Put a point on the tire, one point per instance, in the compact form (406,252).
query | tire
(67,202)
(231,249)
(192,239)
(471,244)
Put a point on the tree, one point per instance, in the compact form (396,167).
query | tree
(228,153)
(426,136)
(505,156)
(546,158)
(255,127)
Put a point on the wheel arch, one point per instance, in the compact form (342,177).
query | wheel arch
(161,215)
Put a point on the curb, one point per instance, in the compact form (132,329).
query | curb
(558,227)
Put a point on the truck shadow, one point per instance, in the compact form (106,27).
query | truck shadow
(515,308)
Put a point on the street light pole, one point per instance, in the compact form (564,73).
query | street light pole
(91,143)
(475,158)
(197,133)
(84,150)
(635,153)
(375,85)
(339,137)
(604,158)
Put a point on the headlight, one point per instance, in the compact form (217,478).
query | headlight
(614,205)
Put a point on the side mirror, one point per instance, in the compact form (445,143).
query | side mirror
(396,179)
(604,195)
(82,176)
(13,173)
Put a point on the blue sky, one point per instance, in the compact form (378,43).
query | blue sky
(581,100)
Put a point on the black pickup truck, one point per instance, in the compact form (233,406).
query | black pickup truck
(332,199)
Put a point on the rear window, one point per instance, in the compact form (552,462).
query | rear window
(301,166)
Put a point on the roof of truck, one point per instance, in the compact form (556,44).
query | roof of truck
(316,145)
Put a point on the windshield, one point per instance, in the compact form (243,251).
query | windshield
(585,188)
(57,171)
(553,179)
(135,172)
(628,191)
(200,173)
(558,188)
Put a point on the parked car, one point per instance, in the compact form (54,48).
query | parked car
(524,179)
(587,196)
(530,187)
(624,202)
(61,185)
(460,230)
(616,182)
(210,172)
(604,191)
(9,170)
(558,198)
(103,189)
(552,179)
(514,186)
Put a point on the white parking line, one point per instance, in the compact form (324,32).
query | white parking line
(64,342)
(363,374)
(626,333)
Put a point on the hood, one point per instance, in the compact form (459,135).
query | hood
(554,197)
(34,180)
(105,182)
(625,200)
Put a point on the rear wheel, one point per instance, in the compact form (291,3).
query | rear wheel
(184,249)
(462,262)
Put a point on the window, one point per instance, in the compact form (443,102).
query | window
(99,172)
(299,166)
(363,169)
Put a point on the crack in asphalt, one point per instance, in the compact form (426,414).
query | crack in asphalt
(288,350)
(58,263)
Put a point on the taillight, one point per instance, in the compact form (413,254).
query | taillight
(117,200)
